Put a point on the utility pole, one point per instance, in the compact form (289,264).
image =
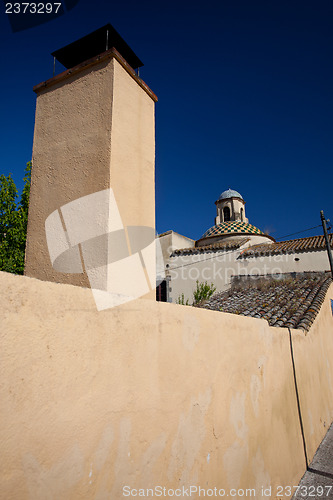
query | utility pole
(328,247)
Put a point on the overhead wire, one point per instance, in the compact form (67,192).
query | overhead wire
(298,232)
(202,260)
(232,251)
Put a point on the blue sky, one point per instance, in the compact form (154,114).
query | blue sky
(245,101)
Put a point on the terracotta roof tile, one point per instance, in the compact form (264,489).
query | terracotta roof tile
(291,301)
(227,245)
(308,244)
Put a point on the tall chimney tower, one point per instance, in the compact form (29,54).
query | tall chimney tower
(94,130)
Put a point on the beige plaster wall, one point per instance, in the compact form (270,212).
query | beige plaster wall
(71,156)
(314,367)
(132,159)
(147,394)
(94,129)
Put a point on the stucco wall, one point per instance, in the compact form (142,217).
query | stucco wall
(285,263)
(213,267)
(149,394)
(94,129)
(171,241)
(314,367)
(218,267)
(235,205)
(254,239)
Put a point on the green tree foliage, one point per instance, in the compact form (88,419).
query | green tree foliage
(201,293)
(13,223)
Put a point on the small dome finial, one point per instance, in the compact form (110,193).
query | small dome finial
(230,193)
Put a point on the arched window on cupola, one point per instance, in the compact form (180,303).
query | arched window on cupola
(242,214)
(226,214)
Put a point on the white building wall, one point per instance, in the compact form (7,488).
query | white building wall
(254,239)
(218,267)
(213,267)
(171,241)
(285,263)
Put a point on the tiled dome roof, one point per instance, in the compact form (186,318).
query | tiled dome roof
(232,227)
(230,193)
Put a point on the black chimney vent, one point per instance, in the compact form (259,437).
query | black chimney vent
(95,43)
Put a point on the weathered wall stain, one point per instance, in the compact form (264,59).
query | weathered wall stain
(53,483)
(189,439)
(92,401)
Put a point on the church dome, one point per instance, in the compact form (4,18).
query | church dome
(232,227)
(230,193)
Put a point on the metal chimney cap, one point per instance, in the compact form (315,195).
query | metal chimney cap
(94,44)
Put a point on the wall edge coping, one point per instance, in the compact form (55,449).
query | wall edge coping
(108,54)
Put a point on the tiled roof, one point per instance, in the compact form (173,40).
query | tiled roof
(165,233)
(174,232)
(291,301)
(219,246)
(232,227)
(300,245)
